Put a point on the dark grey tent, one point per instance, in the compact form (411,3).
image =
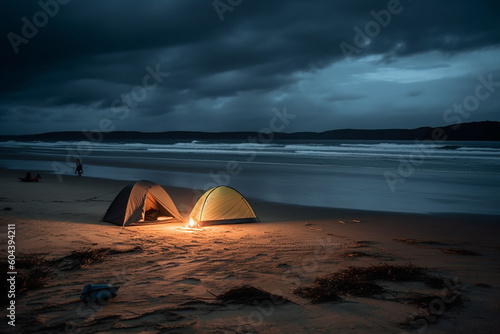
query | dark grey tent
(141,201)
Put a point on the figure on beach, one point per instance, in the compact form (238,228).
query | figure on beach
(79,167)
(28,178)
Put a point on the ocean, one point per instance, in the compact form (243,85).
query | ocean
(398,176)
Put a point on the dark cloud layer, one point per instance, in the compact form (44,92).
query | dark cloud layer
(228,75)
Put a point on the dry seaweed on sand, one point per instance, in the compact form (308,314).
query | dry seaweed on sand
(80,259)
(318,294)
(407,241)
(405,272)
(32,273)
(360,281)
(358,254)
(85,257)
(249,295)
(362,243)
(352,281)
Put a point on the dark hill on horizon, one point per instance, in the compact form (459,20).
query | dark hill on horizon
(474,131)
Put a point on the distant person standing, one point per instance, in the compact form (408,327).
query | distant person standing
(79,167)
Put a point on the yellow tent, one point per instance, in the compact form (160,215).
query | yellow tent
(223,205)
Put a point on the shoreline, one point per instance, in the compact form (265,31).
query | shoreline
(168,273)
(356,176)
(184,199)
(189,196)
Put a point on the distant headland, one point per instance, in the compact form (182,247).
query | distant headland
(474,131)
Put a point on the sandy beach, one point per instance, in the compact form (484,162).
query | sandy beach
(169,275)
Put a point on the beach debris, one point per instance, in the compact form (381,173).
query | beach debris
(407,241)
(249,295)
(350,221)
(361,243)
(101,294)
(360,281)
(357,254)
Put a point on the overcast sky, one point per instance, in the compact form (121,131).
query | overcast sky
(224,65)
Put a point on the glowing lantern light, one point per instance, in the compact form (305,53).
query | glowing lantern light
(192,223)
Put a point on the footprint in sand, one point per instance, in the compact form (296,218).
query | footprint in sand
(255,257)
(142,283)
(155,267)
(170,265)
(189,280)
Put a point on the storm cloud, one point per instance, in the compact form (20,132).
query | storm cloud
(224,65)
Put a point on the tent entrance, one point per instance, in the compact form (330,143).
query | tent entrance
(154,211)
